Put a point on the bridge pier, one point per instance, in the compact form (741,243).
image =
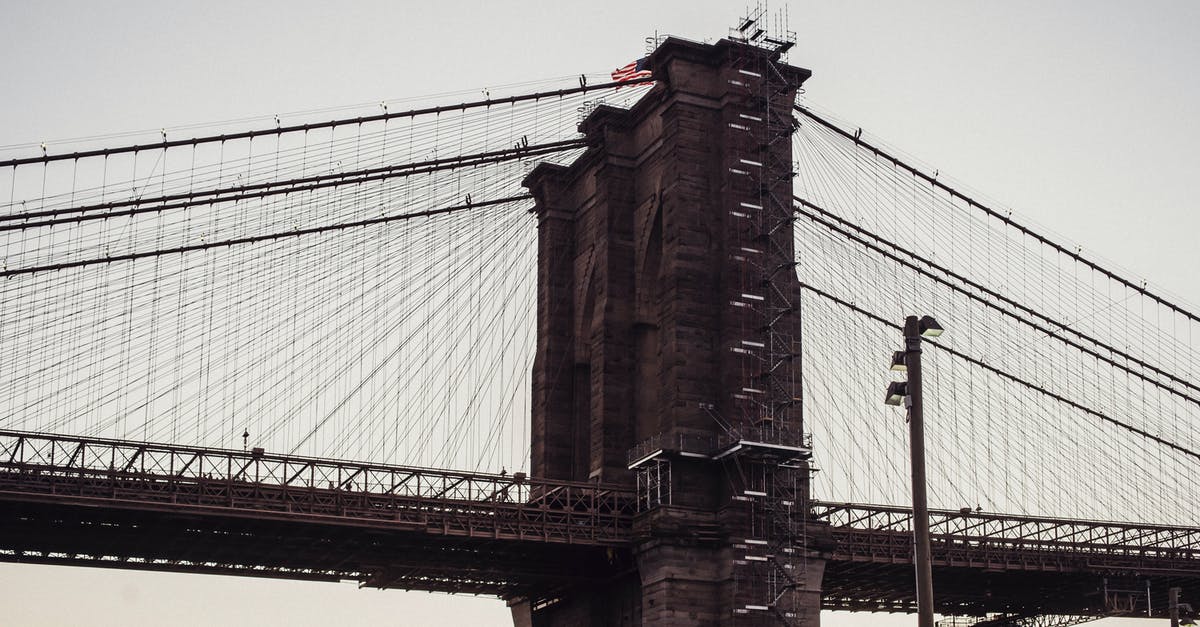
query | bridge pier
(682,578)
(612,604)
(668,344)
(689,580)
(683,584)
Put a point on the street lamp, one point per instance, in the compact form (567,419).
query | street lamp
(909,393)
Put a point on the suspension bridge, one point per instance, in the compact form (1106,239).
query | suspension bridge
(613,352)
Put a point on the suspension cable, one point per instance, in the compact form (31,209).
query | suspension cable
(288,186)
(987,303)
(1007,220)
(281,130)
(1006,375)
(263,238)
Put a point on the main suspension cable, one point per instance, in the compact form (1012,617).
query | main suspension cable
(845,232)
(262,238)
(288,186)
(295,128)
(1006,219)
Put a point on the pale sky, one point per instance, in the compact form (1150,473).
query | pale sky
(1080,116)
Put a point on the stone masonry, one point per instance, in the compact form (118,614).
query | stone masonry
(636,335)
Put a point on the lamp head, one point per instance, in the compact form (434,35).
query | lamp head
(896,392)
(898,363)
(930,327)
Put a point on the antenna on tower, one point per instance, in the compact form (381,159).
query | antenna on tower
(653,42)
(764,29)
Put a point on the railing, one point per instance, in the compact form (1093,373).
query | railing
(705,445)
(868,531)
(765,435)
(688,444)
(94,471)
(62,468)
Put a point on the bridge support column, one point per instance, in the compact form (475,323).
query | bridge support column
(688,577)
(668,342)
(610,604)
(684,584)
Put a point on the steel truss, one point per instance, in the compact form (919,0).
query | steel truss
(36,466)
(969,538)
(109,503)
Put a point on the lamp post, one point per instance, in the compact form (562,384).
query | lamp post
(909,392)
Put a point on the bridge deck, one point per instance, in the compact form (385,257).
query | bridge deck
(979,557)
(149,476)
(89,501)
(107,503)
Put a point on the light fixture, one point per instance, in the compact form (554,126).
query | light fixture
(929,327)
(896,392)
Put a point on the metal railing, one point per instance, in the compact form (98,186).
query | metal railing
(870,531)
(147,475)
(95,471)
(709,445)
(769,435)
(693,444)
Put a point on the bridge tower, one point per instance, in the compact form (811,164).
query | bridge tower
(668,344)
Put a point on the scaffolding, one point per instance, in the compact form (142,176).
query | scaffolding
(764,448)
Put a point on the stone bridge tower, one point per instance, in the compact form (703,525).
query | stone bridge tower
(668,344)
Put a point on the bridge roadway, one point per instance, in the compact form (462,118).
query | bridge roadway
(118,504)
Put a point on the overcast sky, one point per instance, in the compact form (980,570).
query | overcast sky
(1080,116)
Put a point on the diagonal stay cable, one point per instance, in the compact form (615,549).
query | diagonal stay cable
(1008,376)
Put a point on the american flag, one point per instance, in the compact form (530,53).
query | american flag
(636,69)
